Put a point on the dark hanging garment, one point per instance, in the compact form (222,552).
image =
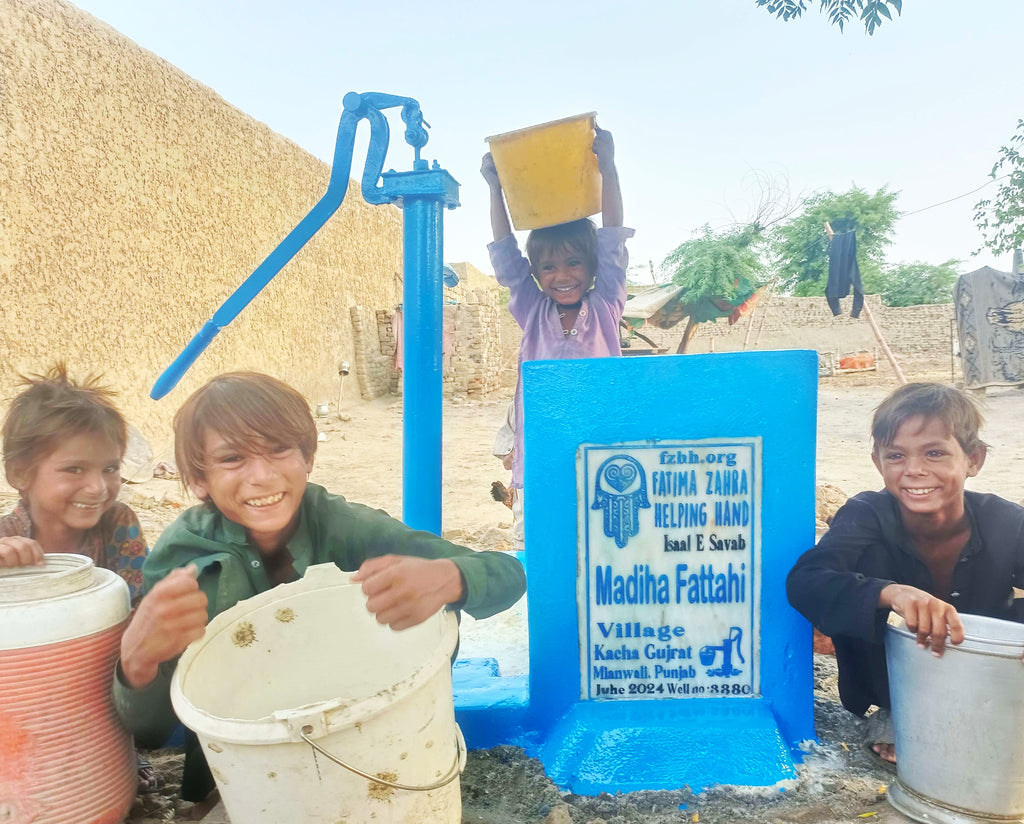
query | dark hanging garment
(843,272)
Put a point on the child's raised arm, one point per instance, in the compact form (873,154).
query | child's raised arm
(611,194)
(500,225)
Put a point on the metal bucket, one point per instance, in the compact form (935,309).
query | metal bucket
(959,724)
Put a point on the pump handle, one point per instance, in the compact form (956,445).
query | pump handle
(357,107)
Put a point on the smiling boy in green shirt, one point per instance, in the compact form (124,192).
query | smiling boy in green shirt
(244,444)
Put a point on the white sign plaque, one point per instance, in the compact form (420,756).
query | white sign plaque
(669,568)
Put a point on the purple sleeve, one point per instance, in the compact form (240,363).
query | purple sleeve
(612,260)
(511,269)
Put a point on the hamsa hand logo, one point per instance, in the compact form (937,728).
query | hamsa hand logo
(620,489)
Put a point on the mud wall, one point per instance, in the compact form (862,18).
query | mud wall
(923,332)
(133,200)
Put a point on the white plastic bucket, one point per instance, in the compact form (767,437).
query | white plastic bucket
(959,724)
(64,756)
(284,685)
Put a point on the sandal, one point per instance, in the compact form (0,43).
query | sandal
(149,781)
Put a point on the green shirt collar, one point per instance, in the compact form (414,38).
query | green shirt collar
(300,545)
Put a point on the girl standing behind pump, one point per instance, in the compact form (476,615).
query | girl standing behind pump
(569,292)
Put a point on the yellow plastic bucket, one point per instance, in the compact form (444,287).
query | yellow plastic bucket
(549,172)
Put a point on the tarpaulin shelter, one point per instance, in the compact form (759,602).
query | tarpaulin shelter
(989,307)
(665,306)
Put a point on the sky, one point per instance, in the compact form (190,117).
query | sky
(710,102)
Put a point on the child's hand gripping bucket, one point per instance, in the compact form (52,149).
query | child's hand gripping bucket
(959,724)
(309,710)
(549,172)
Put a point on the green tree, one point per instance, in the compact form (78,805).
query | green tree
(723,265)
(839,12)
(913,284)
(717,270)
(1001,218)
(800,246)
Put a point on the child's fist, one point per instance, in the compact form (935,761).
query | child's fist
(489,172)
(19,551)
(168,619)
(604,148)
(403,591)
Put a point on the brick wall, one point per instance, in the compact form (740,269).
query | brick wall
(923,332)
(472,363)
(486,337)
(373,364)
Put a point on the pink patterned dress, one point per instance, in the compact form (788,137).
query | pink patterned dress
(115,543)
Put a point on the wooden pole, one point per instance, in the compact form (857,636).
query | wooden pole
(691,327)
(881,342)
(874,326)
(952,351)
(750,325)
(764,315)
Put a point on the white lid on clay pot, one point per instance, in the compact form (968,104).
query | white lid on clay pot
(66,598)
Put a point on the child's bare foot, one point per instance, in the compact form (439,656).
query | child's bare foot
(149,781)
(879,735)
(887,752)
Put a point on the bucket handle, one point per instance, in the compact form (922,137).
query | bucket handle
(456,769)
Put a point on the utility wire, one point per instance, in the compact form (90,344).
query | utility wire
(815,242)
(958,197)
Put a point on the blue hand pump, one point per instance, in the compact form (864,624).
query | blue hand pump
(422,193)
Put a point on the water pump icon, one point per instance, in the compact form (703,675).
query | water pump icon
(728,645)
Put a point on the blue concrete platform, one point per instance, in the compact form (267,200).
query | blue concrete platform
(597,746)
(649,479)
(489,708)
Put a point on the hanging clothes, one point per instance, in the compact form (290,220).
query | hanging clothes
(989,307)
(844,272)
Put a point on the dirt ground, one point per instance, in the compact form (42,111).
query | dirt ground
(838,781)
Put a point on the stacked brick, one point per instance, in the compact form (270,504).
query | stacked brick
(473,359)
(374,364)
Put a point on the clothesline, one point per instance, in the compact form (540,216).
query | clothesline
(958,197)
(932,206)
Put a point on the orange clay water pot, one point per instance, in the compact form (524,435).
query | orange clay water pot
(64,756)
